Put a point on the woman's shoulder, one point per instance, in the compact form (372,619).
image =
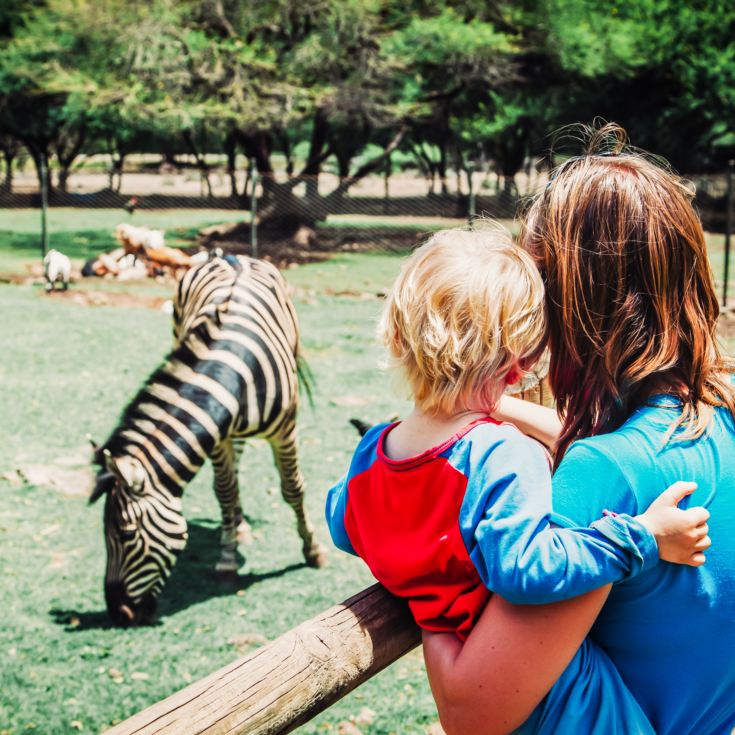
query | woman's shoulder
(640,438)
(593,476)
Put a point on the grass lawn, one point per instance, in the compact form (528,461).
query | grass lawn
(67,371)
(82,233)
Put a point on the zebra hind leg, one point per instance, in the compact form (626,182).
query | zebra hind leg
(235,528)
(286,457)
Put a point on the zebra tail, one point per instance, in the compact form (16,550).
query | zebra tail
(306,378)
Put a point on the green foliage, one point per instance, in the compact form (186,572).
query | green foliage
(464,75)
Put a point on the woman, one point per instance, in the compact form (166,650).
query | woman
(646,398)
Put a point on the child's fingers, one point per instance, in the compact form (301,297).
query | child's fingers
(703,543)
(697,516)
(697,560)
(674,494)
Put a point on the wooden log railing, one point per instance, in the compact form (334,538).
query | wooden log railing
(289,681)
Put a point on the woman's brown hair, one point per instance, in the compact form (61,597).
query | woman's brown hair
(632,309)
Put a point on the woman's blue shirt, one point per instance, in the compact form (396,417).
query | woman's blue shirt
(670,631)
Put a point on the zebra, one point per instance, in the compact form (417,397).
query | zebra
(232,374)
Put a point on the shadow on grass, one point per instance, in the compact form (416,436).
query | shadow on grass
(192,581)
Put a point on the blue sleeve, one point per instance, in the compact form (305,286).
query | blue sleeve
(336,506)
(335,512)
(516,550)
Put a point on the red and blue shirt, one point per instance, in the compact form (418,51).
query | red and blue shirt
(469,517)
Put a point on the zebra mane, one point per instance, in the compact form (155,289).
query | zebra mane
(210,303)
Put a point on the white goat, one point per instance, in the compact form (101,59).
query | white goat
(56,267)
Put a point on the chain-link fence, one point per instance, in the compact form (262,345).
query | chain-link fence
(298,217)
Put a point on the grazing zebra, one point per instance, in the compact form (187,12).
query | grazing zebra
(232,375)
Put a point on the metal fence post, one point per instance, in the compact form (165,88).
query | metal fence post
(253,210)
(728,230)
(43,166)
(471,209)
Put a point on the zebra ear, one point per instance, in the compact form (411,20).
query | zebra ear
(97,457)
(105,481)
(128,471)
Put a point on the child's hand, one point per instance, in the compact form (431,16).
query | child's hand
(681,534)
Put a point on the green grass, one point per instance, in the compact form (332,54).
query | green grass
(61,219)
(67,371)
(83,233)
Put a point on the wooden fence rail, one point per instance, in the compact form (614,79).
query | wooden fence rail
(287,682)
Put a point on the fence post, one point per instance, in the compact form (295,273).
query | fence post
(728,230)
(253,210)
(471,210)
(44,204)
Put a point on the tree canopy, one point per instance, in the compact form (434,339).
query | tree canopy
(446,82)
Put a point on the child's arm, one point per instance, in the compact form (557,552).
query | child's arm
(537,421)
(335,513)
(505,521)
(337,496)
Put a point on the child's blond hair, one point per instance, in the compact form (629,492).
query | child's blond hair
(465,306)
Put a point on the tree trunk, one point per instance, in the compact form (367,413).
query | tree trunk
(387,171)
(200,161)
(63,178)
(366,169)
(313,166)
(37,150)
(231,153)
(442,167)
(509,185)
(280,212)
(68,148)
(344,158)
(117,169)
(287,152)
(7,185)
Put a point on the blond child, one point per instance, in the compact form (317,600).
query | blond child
(450,504)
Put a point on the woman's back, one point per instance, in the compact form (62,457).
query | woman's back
(670,630)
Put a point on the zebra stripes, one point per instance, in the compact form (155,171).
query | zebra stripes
(232,375)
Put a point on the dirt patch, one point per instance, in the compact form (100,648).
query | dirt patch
(306,245)
(18,279)
(92,297)
(349,401)
(71,475)
(109,298)
(73,483)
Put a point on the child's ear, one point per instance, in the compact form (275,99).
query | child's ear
(528,362)
(514,374)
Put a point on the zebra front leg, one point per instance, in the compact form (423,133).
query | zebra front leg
(234,527)
(286,457)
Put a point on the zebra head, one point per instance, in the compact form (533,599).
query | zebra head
(145,531)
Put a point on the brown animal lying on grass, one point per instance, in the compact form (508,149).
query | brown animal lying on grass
(147,248)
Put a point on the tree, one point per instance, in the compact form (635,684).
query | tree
(450,66)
